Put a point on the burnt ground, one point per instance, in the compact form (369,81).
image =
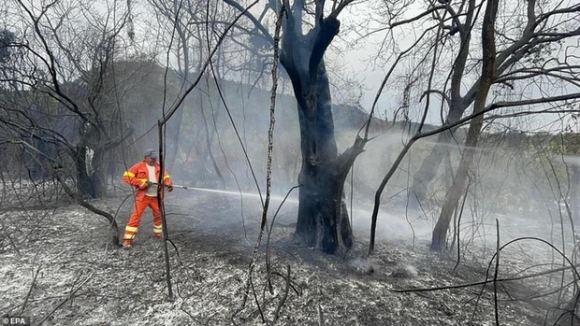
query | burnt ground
(59,268)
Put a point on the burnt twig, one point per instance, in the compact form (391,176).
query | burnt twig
(34,277)
(283,300)
(70,296)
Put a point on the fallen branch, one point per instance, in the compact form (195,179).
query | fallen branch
(83,202)
(34,277)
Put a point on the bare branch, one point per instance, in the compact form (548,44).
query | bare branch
(249,15)
(421,15)
(178,103)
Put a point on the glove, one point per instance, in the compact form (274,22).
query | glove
(144,185)
(170,188)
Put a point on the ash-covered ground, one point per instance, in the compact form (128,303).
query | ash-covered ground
(59,268)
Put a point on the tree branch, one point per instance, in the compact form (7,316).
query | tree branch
(328,29)
(251,17)
(177,104)
(421,15)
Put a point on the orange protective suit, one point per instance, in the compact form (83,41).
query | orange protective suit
(138,176)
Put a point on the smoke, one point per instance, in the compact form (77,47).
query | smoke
(507,180)
(361,265)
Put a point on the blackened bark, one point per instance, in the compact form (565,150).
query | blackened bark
(322,215)
(84,184)
(99,176)
(90,184)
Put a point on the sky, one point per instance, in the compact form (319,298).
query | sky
(356,62)
(362,63)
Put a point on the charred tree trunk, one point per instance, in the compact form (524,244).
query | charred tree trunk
(320,197)
(99,175)
(90,173)
(84,184)
(322,216)
(487,77)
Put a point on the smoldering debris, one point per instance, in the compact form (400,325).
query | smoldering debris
(404,271)
(361,265)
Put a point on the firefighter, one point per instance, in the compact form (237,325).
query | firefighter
(144,176)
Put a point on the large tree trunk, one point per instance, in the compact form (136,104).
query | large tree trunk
(487,77)
(322,216)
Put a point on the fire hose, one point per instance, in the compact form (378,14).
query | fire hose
(197,189)
(164,185)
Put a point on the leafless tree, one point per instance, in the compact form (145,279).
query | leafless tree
(535,46)
(534,61)
(487,76)
(186,42)
(65,67)
(307,31)
(59,105)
